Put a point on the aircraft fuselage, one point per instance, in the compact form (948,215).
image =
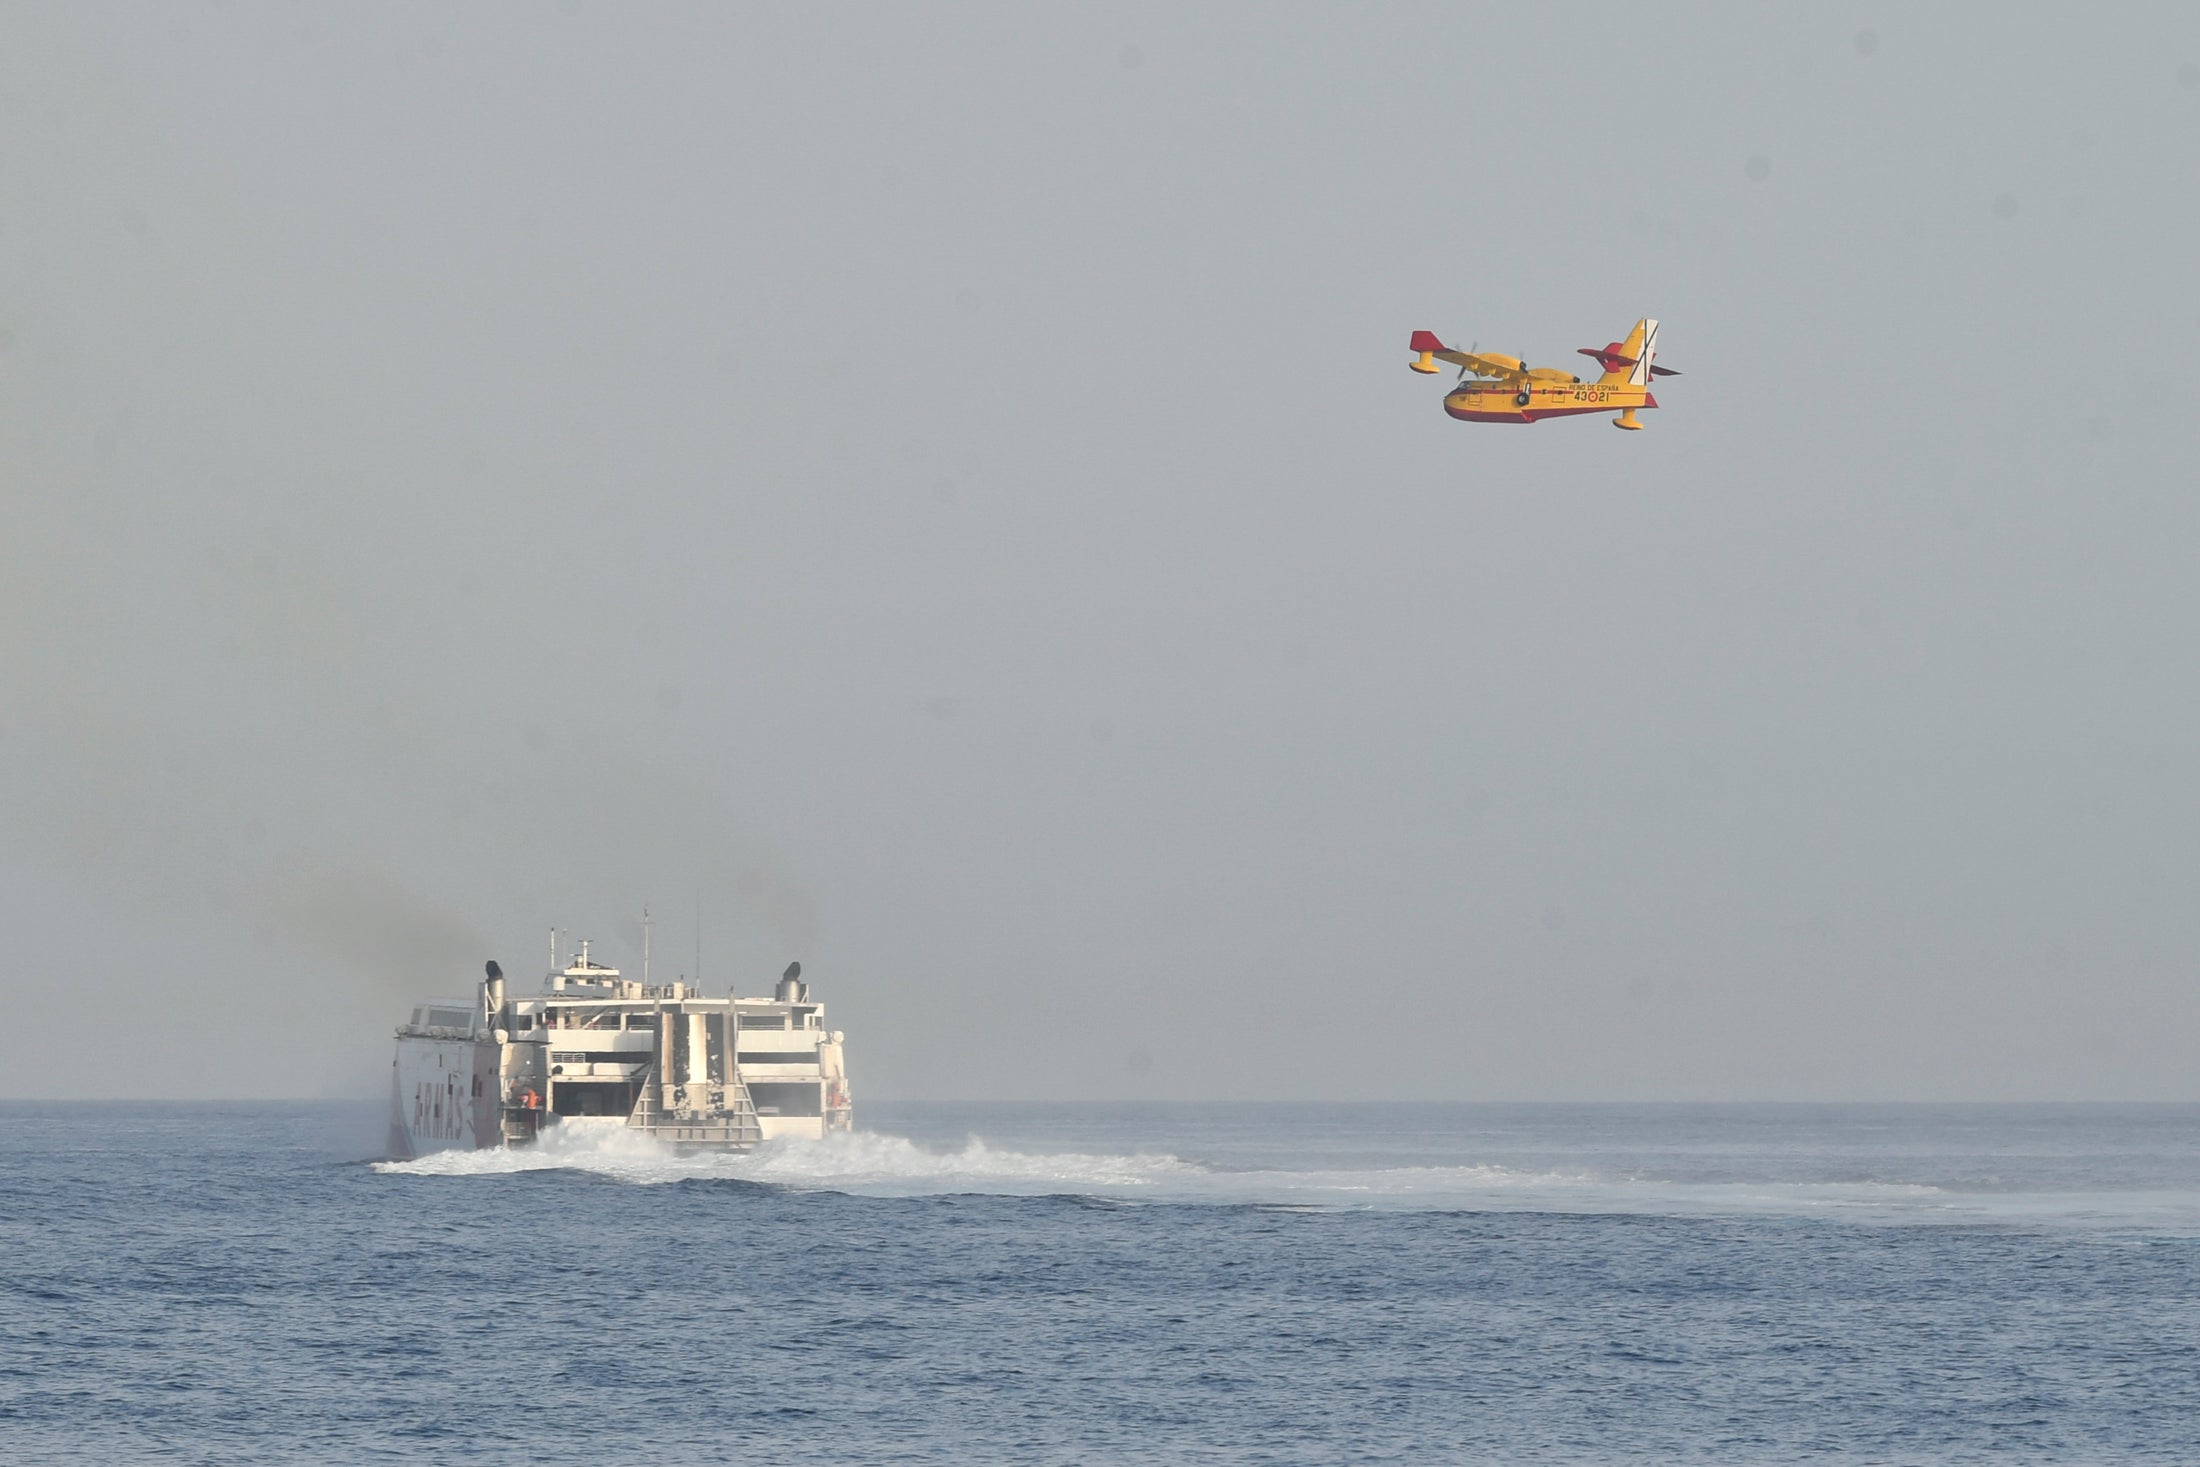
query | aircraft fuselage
(1474,401)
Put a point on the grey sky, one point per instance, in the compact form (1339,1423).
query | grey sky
(943,487)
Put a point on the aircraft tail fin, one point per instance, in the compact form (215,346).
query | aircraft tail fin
(1628,362)
(1648,353)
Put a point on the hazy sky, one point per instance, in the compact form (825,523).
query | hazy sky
(938,490)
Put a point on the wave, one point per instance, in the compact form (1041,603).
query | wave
(862,1161)
(867,1163)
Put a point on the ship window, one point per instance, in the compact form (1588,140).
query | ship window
(774,1057)
(763,1021)
(799,1099)
(592,1098)
(525,1021)
(641,1021)
(449,1019)
(601,1057)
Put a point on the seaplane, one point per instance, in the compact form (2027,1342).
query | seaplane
(1493,388)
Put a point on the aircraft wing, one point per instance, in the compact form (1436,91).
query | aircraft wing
(1482,366)
(1430,350)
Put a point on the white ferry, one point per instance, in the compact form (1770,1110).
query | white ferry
(719,1073)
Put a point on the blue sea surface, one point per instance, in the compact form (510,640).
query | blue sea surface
(1151,1283)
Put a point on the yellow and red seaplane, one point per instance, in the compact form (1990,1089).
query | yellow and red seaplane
(1499,389)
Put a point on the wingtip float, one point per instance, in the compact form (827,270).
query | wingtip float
(1494,388)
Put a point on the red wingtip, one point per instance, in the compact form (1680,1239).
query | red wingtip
(1425,341)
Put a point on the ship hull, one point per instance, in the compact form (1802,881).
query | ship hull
(444,1096)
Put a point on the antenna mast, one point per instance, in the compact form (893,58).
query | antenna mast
(645,944)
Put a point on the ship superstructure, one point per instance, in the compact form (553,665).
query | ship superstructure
(722,1073)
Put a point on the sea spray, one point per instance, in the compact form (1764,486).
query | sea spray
(864,1162)
(876,1164)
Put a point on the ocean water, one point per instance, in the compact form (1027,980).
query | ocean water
(1158,1283)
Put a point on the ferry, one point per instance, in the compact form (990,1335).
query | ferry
(723,1074)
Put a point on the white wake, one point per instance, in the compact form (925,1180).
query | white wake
(861,1162)
(868,1163)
